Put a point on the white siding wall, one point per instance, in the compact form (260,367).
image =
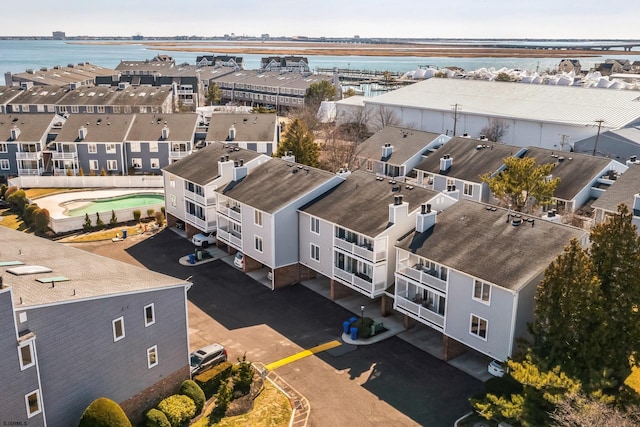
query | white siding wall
(324,240)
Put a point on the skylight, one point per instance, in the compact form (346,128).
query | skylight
(28,269)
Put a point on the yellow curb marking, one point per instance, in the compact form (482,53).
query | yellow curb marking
(305,353)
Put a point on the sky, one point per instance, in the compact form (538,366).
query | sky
(541,19)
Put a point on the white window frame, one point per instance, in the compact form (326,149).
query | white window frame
(31,413)
(5,165)
(3,148)
(173,200)
(257,217)
(258,243)
(89,108)
(112,165)
(152,351)
(155,163)
(315,252)
(110,148)
(315,225)
(135,146)
(478,333)
(100,108)
(92,148)
(94,165)
(467,189)
(120,319)
(74,109)
(23,365)
(479,285)
(136,163)
(153,146)
(152,308)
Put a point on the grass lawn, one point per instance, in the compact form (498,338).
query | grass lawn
(106,234)
(271,409)
(10,220)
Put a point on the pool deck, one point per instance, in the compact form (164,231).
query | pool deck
(54,202)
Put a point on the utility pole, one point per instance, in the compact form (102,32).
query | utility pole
(455,118)
(595,144)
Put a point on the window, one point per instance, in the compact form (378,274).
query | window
(93,165)
(481,291)
(451,182)
(89,108)
(152,356)
(315,225)
(118,329)
(92,148)
(467,189)
(136,163)
(32,401)
(173,200)
(153,147)
(258,241)
(478,327)
(315,252)
(111,148)
(369,165)
(172,181)
(25,352)
(116,109)
(112,165)
(4,164)
(100,109)
(74,108)
(135,147)
(155,163)
(3,148)
(149,315)
(257,217)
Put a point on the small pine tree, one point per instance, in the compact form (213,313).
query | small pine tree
(87,223)
(223,397)
(114,219)
(244,376)
(99,222)
(80,172)
(103,172)
(150,213)
(159,219)
(136,215)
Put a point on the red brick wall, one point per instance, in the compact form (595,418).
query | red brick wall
(337,290)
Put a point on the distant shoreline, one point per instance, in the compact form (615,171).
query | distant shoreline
(354,49)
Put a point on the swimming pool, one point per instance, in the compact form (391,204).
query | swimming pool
(83,207)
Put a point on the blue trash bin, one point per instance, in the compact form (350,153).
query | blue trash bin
(353,319)
(124,233)
(354,333)
(346,325)
(192,259)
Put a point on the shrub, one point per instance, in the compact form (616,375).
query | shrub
(150,213)
(223,397)
(104,412)
(29,213)
(156,418)
(244,376)
(9,191)
(160,219)
(364,327)
(69,172)
(209,381)
(3,190)
(17,201)
(99,222)
(41,220)
(80,172)
(103,172)
(191,389)
(178,408)
(86,226)
(163,210)
(92,173)
(136,215)
(114,219)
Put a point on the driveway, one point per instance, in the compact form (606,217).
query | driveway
(387,383)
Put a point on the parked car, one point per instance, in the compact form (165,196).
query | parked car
(204,239)
(238,261)
(496,368)
(207,357)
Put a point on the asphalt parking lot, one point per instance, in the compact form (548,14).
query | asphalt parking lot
(387,383)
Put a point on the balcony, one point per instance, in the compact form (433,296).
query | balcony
(56,155)
(231,238)
(22,155)
(362,251)
(361,283)
(194,220)
(178,154)
(420,311)
(194,196)
(230,212)
(426,277)
(28,172)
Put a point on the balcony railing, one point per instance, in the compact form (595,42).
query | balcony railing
(422,312)
(28,172)
(178,154)
(426,277)
(233,213)
(194,220)
(22,155)
(365,252)
(367,286)
(231,238)
(194,196)
(56,155)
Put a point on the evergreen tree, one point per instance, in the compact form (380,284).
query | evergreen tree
(318,92)
(86,226)
(521,180)
(99,222)
(214,94)
(299,140)
(114,219)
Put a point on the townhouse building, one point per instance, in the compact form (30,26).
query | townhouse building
(470,272)
(24,138)
(257,132)
(234,62)
(624,190)
(294,64)
(159,65)
(190,184)
(348,234)
(258,216)
(7,93)
(82,73)
(395,151)
(78,326)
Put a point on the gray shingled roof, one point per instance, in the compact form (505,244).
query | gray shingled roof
(33,127)
(468,161)
(148,127)
(7,93)
(621,191)
(275,184)
(249,127)
(90,276)
(40,95)
(100,127)
(471,238)
(406,144)
(361,203)
(201,167)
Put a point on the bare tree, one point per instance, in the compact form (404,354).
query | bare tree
(495,129)
(381,117)
(577,411)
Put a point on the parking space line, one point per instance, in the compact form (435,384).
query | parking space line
(301,355)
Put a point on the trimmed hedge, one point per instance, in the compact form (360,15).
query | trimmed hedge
(191,389)
(156,418)
(209,381)
(178,408)
(104,412)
